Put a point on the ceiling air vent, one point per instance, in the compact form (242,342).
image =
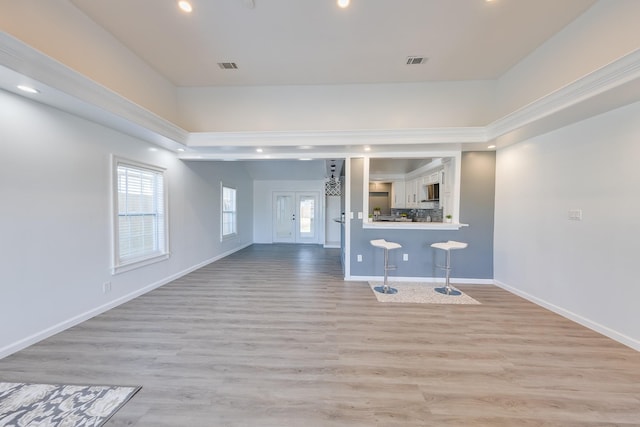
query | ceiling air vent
(228,65)
(416,60)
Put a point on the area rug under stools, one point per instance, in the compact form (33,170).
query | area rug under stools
(58,405)
(420,293)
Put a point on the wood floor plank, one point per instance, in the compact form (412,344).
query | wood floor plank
(272,336)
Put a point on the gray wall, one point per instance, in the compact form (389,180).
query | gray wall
(584,270)
(55,220)
(477,194)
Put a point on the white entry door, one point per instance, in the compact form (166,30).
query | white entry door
(295,217)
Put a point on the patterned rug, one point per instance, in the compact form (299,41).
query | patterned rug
(420,293)
(51,405)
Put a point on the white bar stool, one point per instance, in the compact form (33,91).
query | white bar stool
(387,246)
(448,247)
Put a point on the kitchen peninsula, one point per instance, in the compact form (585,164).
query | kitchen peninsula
(412,225)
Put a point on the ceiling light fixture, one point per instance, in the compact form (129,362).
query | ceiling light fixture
(491,147)
(343,3)
(367,148)
(258,150)
(185,6)
(332,183)
(180,149)
(28,89)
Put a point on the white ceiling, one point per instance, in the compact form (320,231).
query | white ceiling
(296,42)
(314,42)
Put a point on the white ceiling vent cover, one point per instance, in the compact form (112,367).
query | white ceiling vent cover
(416,60)
(228,65)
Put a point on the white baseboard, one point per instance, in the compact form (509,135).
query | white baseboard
(459,281)
(608,332)
(73,321)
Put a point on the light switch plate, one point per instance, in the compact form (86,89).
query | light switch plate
(575,214)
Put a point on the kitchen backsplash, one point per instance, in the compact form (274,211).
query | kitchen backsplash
(419,214)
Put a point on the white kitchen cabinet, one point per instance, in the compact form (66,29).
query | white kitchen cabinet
(398,192)
(411,192)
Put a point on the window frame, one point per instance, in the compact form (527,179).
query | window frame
(234,232)
(161,251)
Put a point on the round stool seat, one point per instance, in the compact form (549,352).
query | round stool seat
(449,245)
(381,243)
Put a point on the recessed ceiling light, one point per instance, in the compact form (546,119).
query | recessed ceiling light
(491,147)
(185,6)
(304,159)
(28,89)
(367,148)
(343,3)
(259,150)
(180,149)
(153,149)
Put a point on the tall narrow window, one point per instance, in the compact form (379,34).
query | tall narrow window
(229,214)
(140,215)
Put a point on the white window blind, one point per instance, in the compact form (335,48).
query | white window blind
(140,222)
(228,211)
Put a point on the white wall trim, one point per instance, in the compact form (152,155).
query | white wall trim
(75,320)
(80,95)
(73,92)
(608,332)
(459,281)
(621,71)
(344,137)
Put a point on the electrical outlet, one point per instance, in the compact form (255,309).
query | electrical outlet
(359,258)
(405,257)
(106,287)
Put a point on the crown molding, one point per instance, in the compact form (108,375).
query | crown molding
(343,137)
(67,88)
(617,73)
(75,93)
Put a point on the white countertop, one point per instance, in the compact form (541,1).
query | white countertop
(402,225)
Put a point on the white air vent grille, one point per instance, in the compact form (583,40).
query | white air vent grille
(228,65)
(416,60)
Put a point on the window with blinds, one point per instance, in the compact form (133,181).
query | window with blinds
(228,212)
(140,214)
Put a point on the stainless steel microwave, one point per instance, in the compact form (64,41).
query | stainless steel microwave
(433,192)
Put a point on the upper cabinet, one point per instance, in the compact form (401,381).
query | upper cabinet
(398,194)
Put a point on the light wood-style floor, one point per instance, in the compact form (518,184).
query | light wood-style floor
(271,336)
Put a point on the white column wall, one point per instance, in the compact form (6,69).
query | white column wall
(585,269)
